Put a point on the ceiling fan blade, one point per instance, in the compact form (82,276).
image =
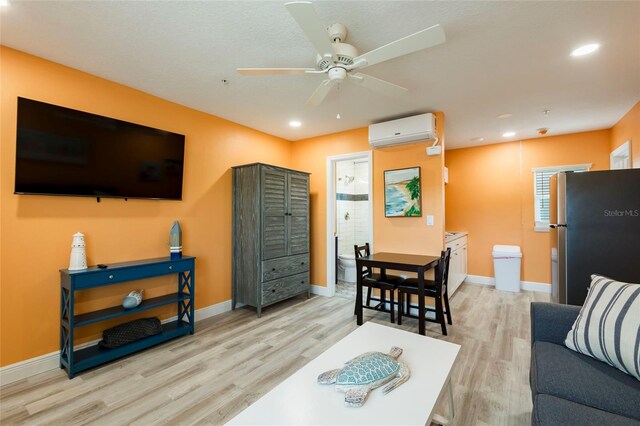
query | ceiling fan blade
(266,71)
(379,86)
(309,21)
(320,93)
(424,39)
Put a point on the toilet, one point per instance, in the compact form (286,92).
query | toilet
(347,268)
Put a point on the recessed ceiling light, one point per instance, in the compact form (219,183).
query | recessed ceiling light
(585,50)
(504,115)
(295,123)
(508,134)
(478,139)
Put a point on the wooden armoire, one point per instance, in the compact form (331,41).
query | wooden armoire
(270,234)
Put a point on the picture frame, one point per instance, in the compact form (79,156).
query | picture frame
(402,192)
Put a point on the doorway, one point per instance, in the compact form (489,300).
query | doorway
(349,217)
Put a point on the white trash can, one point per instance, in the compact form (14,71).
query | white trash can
(506,263)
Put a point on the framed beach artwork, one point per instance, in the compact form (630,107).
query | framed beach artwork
(402,192)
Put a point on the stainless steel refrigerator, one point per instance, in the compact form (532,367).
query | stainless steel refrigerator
(595,229)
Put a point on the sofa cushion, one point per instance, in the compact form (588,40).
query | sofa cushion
(554,411)
(608,326)
(558,371)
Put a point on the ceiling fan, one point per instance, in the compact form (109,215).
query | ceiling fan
(340,60)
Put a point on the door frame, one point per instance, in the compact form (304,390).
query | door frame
(331,210)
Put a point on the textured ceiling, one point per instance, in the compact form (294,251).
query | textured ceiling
(499,57)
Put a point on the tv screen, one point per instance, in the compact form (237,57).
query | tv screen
(62,151)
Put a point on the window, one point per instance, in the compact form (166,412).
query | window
(541,198)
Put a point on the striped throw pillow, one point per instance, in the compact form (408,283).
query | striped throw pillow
(608,326)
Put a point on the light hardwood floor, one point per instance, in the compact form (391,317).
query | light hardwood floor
(235,358)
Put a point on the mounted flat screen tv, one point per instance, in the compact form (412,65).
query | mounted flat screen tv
(62,151)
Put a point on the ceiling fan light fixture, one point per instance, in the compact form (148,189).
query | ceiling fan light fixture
(337,73)
(295,123)
(585,50)
(338,59)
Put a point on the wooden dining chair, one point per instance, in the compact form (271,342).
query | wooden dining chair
(433,288)
(382,281)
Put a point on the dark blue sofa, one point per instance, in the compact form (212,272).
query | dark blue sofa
(569,388)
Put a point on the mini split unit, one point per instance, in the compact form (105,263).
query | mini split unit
(419,128)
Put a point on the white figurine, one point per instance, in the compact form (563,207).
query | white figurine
(78,260)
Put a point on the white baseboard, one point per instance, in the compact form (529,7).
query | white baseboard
(524,285)
(321,291)
(30,367)
(537,287)
(213,310)
(479,279)
(51,361)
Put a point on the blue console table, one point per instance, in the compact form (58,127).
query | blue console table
(92,277)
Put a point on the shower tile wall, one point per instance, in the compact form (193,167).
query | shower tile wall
(352,204)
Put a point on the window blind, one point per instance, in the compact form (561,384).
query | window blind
(541,191)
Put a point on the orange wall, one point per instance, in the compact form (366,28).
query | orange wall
(36,231)
(483,198)
(628,128)
(490,195)
(406,234)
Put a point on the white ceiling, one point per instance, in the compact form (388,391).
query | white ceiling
(500,57)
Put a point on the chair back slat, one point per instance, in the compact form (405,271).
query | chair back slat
(363,251)
(442,279)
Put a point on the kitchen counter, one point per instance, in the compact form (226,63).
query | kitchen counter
(452,236)
(457,242)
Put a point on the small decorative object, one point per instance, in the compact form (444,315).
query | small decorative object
(133,299)
(175,241)
(130,332)
(402,192)
(365,373)
(78,258)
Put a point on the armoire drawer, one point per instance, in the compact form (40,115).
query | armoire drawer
(284,266)
(276,290)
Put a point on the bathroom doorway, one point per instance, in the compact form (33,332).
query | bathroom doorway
(349,217)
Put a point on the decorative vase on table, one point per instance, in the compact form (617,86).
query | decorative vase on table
(175,241)
(78,258)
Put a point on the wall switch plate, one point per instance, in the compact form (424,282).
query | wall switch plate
(429,220)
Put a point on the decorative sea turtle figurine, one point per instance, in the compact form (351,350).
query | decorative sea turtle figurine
(365,373)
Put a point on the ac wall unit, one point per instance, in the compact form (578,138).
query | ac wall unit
(405,130)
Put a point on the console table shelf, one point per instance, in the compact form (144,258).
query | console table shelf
(116,311)
(71,281)
(96,355)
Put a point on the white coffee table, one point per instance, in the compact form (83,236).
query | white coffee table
(300,400)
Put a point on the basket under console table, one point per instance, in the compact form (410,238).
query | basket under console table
(75,361)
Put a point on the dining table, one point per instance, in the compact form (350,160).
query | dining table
(398,262)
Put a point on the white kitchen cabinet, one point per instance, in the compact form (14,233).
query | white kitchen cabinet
(458,263)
